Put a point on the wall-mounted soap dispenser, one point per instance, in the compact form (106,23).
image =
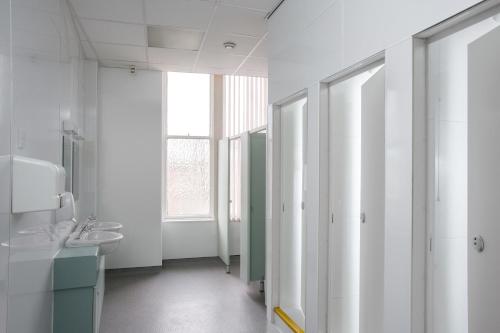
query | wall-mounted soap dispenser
(36,185)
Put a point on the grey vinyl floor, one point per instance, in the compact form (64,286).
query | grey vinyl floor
(194,296)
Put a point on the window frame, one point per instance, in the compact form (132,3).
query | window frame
(166,137)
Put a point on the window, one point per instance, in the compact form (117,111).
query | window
(245,109)
(188,145)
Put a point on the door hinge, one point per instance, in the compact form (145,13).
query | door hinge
(362,217)
(332,218)
(303,205)
(430,244)
(283,207)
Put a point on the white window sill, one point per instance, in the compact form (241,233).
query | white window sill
(188,220)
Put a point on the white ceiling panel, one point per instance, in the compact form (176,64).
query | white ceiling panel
(254,66)
(184,35)
(170,68)
(115,10)
(261,50)
(241,21)
(183,58)
(219,60)
(244,44)
(263,5)
(215,70)
(88,50)
(120,52)
(113,32)
(124,64)
(192,14)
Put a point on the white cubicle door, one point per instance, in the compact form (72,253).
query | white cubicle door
(484,183)
(223,202)
(371,300)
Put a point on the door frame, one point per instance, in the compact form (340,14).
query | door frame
(358,68)
(274,200)
(446,28)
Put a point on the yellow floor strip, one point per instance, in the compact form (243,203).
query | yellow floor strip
(287,320)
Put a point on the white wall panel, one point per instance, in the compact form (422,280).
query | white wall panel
(355,29)
(398,184)
(47,83)
(189,239)
(130,163)
(5,151)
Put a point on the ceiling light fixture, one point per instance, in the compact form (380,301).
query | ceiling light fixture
(229,45)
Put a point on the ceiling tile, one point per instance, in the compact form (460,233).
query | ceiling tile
(192,14)
(184,58)
(240,21)
(215,70)
(116,10)
(120,52)
(170,68)
(263,5)
(261,50)
(219,60)
(88,50)
(112,32)
(244,44)
(123,64)
(254,67)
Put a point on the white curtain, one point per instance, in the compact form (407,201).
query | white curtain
(245,107)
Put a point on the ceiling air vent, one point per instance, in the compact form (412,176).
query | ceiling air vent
(172,38)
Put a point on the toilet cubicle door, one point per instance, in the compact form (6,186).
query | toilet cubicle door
(372,204)
(223,202)
(484,183)
(257,228)
(245,208)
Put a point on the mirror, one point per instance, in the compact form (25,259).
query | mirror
(70,162)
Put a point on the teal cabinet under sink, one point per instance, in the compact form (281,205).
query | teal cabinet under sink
(78,290)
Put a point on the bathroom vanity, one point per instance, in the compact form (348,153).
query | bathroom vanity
(78,290)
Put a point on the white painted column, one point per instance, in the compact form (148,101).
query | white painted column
(316,208)
(403,247)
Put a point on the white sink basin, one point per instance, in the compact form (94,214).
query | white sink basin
(107,226)
(107,241)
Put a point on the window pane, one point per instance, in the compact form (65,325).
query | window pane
(188,99)
(188,177)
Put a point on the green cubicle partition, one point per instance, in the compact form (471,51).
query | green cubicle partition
(257,225)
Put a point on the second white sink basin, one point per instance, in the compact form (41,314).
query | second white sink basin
(107,241)
(107,226)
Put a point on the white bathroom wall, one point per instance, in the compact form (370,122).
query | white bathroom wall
(5,149)
(129,163)
(189,239)
(309,41)
(88,149)
(47,83)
